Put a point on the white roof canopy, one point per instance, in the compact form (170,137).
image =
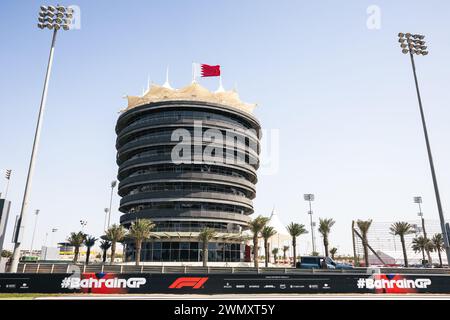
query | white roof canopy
(276,223)
(194,91)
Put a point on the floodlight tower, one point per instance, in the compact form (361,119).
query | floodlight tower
(106,210)
(83,224)
(310,197)
(113,185)
(34,231)
(418,200)
(414,44)
(53,18)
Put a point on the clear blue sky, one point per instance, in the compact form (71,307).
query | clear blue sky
(341,94)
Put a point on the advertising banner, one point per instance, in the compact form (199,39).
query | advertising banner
(111,283)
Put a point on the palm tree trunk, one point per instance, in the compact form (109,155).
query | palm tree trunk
(423,255)
(429,256)
(266,253)
(366,251)
(255,251)
(205,254)
(75,257)
(294,244)
(440,257)
(88,253)
(104,255)
(138,252)
(284,255)
(325,244)
(405,256)
(113,251)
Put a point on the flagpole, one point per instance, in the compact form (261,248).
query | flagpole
(194,72)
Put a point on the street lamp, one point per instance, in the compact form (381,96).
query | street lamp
(53,18)
(113,185)
(414,44)
(310,197)
(34,231)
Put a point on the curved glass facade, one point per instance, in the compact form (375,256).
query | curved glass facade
(189,196)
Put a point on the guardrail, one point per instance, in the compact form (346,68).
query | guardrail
(108,268)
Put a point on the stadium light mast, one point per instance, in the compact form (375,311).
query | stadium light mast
(113,185)
(34,230)
(8,179)
(106,210)
(414,44)
(310,197)
(54,230)
(418,200)
(53,18)
(83,224)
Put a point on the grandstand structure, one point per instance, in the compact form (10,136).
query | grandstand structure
(389,248)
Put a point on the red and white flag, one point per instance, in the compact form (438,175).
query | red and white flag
(205,70)
(210,71)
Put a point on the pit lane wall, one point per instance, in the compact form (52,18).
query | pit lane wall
(112,283)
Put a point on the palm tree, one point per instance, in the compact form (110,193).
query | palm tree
(324,229)
(89,242)
(105,245)
(256,225)
(275,254)
(364,226)
(115,233)
(140,230)
(333,252)
(401,229)
(285,249)
(296,230)
(267,232)
(422,244)
(76,240)
(204,236)
(438,244)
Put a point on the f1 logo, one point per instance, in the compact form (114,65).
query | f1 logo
(193,282)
